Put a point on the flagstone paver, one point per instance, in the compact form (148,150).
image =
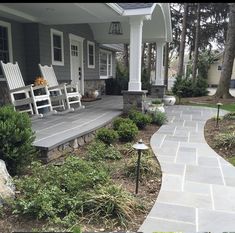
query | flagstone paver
(198,186)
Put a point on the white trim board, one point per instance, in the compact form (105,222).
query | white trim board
(58,33)
(81,40)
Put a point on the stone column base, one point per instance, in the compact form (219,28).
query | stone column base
(158,91)
(133,99)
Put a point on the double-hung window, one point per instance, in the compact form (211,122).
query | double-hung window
(5,44)
(57,47)
(105,64)
(91,54)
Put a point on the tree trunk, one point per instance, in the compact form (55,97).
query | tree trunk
(126,56)
(182,42)
(195,60)
(229,54)
(166,64)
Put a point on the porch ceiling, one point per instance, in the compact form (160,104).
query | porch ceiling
(97,15)
(157,29)
(59,13)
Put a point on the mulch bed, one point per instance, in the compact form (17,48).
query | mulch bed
(207,100)
(148,191)
(210,132)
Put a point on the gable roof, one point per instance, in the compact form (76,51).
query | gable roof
(131,6)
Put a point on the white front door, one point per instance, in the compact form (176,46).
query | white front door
(76,63)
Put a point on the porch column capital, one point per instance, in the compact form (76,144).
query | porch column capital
(136,25)
(159,64)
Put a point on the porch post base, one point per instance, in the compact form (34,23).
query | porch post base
(158,91)
(133,99)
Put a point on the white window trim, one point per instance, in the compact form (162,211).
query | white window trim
(107,52)
(59,33)
(9,35)
(93,44)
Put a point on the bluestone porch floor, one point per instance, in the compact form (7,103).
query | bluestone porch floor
(54,130)
(198,186)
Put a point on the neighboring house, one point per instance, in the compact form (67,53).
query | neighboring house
(214,72)
(74,38)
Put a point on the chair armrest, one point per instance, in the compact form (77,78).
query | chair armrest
(39,87)
(28,87)
(72,85)
(62,85)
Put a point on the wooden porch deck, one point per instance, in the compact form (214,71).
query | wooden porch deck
(55,130)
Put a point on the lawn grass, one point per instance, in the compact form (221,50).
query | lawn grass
(227,107)
(232,160)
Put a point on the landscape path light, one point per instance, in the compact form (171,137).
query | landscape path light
(217,118)
(140,146)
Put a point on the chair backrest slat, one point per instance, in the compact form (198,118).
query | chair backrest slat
(48,73)
(13,75)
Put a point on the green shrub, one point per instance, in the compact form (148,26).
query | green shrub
(158,118)
(127,132)
(16,138)
(156,101)
(225,140)
(148,167)
(120,120)
(107,136)
(200,87)
(139,118)
(189,88)
(98,150)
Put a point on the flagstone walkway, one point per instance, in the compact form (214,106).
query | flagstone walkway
(198,186)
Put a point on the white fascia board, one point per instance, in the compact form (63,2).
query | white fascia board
(141,11)
(116,8)
(18,13)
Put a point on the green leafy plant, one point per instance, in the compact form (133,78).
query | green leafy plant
(127,132)
(158,118)
(230,116)
(156,101)
(188,88)
(98,150)
(225,139)
(120,120)
(107,136)
(53,192)
(77,188)
(16,138)
(139,118)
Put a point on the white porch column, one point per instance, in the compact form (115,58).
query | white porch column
(159,80)
(136,24)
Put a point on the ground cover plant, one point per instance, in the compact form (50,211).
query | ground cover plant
(91,188)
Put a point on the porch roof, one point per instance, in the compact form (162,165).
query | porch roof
(156,27)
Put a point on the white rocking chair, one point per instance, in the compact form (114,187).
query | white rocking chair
(60,92)
(17,86)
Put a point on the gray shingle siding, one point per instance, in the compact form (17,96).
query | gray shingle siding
(17,33)
(32,45)
(31,51)
(63,72)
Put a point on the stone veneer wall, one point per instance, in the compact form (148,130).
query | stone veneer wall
(91,85)
(68,147)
